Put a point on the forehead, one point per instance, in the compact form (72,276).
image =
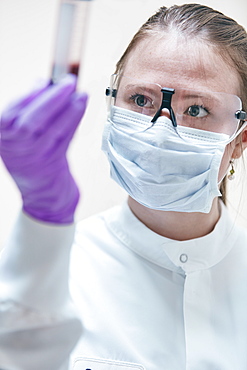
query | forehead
(174,61)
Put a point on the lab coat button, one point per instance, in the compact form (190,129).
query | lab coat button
(183,258)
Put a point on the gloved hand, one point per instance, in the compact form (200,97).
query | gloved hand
(35,135)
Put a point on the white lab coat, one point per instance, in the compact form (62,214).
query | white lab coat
(144,301)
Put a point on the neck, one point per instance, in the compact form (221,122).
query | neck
(177,225)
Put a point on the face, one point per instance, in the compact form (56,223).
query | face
(178,63)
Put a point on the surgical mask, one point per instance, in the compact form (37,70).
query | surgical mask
(159,168)
(169,165)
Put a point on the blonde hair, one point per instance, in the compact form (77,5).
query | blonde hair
(224,34)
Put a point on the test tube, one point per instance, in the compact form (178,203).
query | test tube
(70,37)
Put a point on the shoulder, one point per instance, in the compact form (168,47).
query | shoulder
(95,226)
(233,227)
(94,236)
(235,236)
(98,254)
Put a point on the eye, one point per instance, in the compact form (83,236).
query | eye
(197,111)
(141,100)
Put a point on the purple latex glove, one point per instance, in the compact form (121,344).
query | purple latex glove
(35,135)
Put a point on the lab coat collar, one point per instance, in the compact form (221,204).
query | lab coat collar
(178,256)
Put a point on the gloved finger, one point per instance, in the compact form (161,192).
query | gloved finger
(41,112)
(52,142)
(78,108)
(66,123)
(57,137)
(12,110)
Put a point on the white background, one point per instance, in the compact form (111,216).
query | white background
(27,29)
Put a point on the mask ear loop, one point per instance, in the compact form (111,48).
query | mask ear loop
(241,116)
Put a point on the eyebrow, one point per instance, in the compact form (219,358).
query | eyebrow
(143,88)
(208,97)
(182,93)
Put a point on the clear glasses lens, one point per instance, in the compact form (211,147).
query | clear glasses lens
(208,111)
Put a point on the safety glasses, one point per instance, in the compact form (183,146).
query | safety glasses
(203,110)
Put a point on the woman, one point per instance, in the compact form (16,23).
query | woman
(158,283)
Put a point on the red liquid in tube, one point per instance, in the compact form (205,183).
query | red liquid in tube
(71,30)
(74,68)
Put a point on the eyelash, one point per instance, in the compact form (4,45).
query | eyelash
(133,96)
(136,95)
(201,106)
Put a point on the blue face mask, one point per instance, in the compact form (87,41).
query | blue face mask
(161,168)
